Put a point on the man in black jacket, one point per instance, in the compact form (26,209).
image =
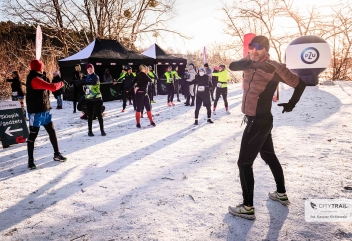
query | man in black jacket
(77,82)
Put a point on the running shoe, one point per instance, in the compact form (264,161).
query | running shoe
(138,125)
(153,101)
(196,122)
(214,113)
(152,123)
(90,133)
(31,165)
(210,121)
(242,212)
(123,111)
(228,112)
(281,198)
(58,157)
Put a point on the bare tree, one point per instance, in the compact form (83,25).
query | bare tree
(123,20)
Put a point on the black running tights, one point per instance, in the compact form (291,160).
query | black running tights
(33,133)
(199,103)
(95,106)
(257,139)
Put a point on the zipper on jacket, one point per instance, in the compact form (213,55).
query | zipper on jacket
(249,86)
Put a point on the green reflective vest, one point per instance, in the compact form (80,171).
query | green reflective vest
(151,75)
(223,77)
(175,75)
(169,78)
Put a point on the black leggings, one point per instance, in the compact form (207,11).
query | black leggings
(77,93)
(177,89)
(95,106)
(125,95)
(214,82)
(151,91)
(257,139)
(33,133)
(170,88)
(223,92)
(142,100)
(199,102)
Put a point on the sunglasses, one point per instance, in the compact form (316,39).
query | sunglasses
(258,46)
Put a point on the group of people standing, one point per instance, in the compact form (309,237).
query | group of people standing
(261,78)
(200,86)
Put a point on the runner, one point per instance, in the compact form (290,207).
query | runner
(221,88)
(214,81)
(17,92)
(151,86)
(191,75)
(94,99)
(261,77)
(170,88)
(126,78)
(57,94)
(177,79)
(142,99)
(38,108)
(203,94)
(77,82)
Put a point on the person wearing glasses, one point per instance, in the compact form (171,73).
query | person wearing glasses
(261,78)
(221,87)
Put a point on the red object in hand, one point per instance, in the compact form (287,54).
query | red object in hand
(20,139)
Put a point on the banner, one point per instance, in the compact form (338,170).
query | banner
(38,43)
(308,56)
(246,40)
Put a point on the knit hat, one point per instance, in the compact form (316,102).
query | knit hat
(15,73)
(261,40)
(222,66)
(36,65)
(202,69)
(206,65)
(56,73)
(89,66)
(216,67)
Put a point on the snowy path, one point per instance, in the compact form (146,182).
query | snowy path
(175,181)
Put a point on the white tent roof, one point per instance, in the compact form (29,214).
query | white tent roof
(150,52)
(83,54)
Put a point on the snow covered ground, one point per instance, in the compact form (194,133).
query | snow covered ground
(175,181)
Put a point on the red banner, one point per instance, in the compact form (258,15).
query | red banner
(246,40)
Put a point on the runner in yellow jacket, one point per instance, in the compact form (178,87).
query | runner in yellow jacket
(221,88)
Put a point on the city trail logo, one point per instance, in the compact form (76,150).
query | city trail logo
(310,55)
(328,210)
(314,206)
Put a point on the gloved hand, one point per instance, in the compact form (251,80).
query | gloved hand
(66,85)
(288,107)
(265,66)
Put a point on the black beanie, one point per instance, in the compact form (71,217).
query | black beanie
(206,65)
(261,40)
(15,73)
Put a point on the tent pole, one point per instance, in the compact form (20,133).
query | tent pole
(156,80)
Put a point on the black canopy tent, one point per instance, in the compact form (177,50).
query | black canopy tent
(161,61)
(103,54)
